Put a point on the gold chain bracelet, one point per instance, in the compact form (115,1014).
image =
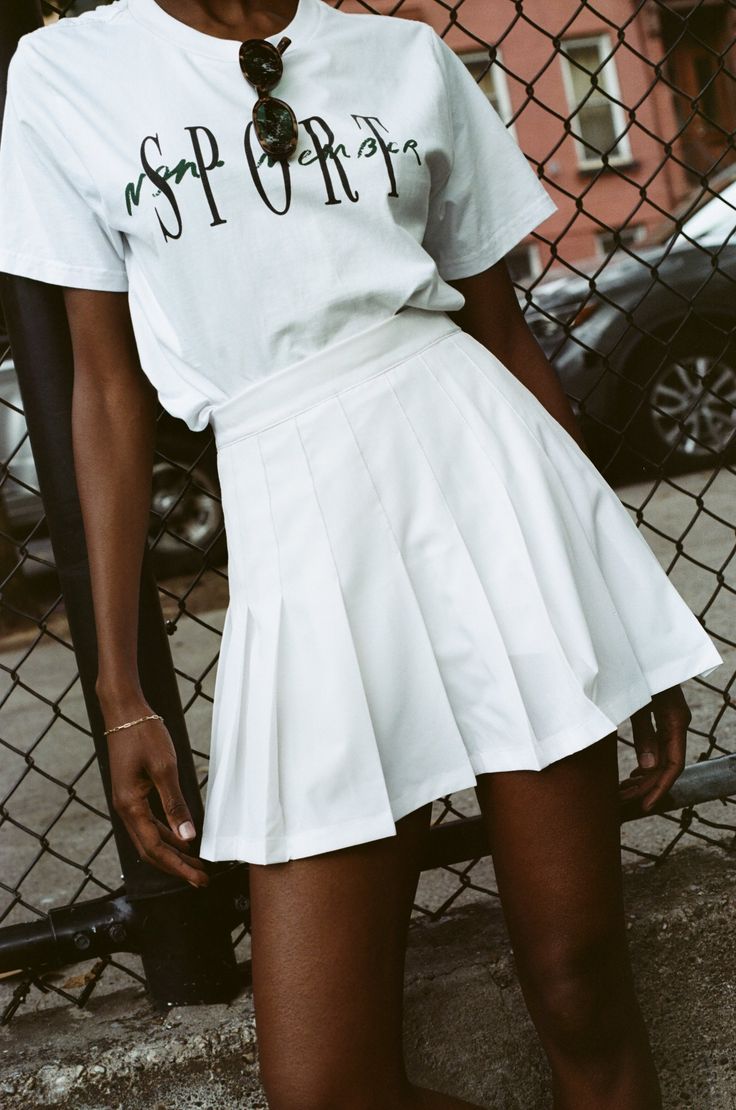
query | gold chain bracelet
(128,724)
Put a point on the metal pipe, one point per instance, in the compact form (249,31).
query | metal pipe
(113,924)
(465,839)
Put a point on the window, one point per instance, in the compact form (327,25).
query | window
(492,80)
(524,263)
(627,236)
(591,85)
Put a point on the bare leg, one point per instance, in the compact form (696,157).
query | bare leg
(555,837)
(328,945)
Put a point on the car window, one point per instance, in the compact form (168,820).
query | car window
(715,222)
(714,205)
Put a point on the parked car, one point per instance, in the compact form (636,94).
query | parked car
(186,512)
(644,343)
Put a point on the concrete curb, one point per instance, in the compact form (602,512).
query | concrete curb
(466,1027)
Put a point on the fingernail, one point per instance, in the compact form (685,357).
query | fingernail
(195,885)
(187,830)
(647,759)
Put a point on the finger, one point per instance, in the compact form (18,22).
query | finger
(634,778)
(669,775)
(636,773)
(645,738)
(170,856)
(638,788)
(155,851)
(133,834)
(165,777)
(132,810)
(636,782)
(673,716)
(175,842)
(172,860)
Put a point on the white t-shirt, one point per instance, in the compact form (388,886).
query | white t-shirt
(128,162)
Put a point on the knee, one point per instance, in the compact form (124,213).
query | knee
(581,996)
(285,1095)
(294,1087)
(307,1089)
(289,1100)
(317,1100)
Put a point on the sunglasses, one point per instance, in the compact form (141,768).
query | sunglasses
(275,123)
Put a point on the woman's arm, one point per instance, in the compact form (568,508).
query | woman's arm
(113,410)
(113,435)
(493,316)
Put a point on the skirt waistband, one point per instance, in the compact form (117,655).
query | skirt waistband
(347,362)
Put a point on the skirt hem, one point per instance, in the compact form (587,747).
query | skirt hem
(344,834)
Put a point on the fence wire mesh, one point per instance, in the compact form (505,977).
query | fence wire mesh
(627,109)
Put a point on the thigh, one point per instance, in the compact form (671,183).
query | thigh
(328,945)
(555,836)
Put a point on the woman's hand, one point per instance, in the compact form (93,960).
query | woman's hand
(141,758)
(660,747)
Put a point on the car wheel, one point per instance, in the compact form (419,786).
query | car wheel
(688,415)
(186,517)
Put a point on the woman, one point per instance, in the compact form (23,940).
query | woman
(431,586)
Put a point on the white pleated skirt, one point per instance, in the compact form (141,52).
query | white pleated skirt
(429,579)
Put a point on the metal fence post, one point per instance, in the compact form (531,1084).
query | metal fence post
(185,943)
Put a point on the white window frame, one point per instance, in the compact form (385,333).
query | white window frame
(500,84)
(534,256)
(608,78)
(638,234)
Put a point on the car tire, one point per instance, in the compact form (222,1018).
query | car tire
(186,513)
(685,417)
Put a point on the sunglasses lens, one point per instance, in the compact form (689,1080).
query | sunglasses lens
(261,63)
(275,126)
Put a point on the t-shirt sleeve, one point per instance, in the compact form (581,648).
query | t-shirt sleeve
(52,225)
(490,197)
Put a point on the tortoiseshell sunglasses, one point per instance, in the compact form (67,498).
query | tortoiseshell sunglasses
(275,123)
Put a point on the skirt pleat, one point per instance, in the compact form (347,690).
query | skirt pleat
(428,580)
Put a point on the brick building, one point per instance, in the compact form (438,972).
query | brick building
(562,60)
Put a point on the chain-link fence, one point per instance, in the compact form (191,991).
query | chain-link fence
(627,108)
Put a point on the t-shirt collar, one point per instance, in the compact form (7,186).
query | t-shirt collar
(148,12)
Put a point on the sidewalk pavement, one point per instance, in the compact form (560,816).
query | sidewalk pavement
(466,1027)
